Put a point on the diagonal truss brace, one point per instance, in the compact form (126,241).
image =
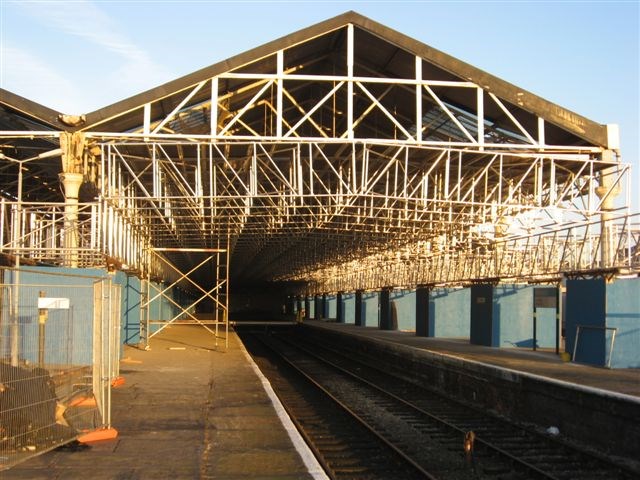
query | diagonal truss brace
(213,294)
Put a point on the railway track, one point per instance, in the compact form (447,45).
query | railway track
(344,445)
(425,434)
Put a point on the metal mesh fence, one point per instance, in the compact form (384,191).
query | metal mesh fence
(58,355)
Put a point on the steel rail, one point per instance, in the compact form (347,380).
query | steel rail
(353,414)
(407,403)
(449,425)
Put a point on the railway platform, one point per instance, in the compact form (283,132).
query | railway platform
(597,407)
(541,363)
(187,410)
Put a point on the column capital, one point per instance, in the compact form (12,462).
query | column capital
(73,147)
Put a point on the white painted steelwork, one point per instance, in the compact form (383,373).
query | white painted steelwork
(346,156)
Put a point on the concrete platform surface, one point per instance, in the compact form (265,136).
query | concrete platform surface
(542,363)
(187,410)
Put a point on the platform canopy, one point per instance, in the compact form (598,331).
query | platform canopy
(345,155)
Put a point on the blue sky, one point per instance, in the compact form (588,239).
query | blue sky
(78,56)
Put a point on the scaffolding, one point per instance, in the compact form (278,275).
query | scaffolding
(216,259)
(344,156)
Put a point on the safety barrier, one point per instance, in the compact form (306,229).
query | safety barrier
(59,354)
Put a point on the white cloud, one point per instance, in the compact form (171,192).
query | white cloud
(132,69)
(32,78)
(85,20)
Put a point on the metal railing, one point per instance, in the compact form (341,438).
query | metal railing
(574,249)
(36,232)
(103,233)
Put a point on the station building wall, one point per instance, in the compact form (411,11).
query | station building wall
(405,305)
(318,307)
(449,312)
(597,306)
(160,307)
(513,318)
(130,309)
(311,304)
(349,301)
(502,316)
(371,308)
(623,313)
(331,307)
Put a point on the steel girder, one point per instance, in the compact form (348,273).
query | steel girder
(330,160)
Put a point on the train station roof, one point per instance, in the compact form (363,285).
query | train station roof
(382,51)
(382,115)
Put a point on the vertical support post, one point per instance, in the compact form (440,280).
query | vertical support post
(214,107)
(535,327)
(558,298)
(290,305)
(447,165)
(418,99)
(106,363)
(541,136)
(360,311)
(481,320)
(42,320)
(217,280)
(350,62)
(325,306)
(98,344)
(539,182)
(16,242)
(72,146)
(552,183)
(226,292)
(480,108)
(307,308)
(422,311)
(318,307)
(607,192)
(2,220)
(280,88)
(385,309)
(71,183)
(145,296)
(147,311)
(339,308)
(146,120)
